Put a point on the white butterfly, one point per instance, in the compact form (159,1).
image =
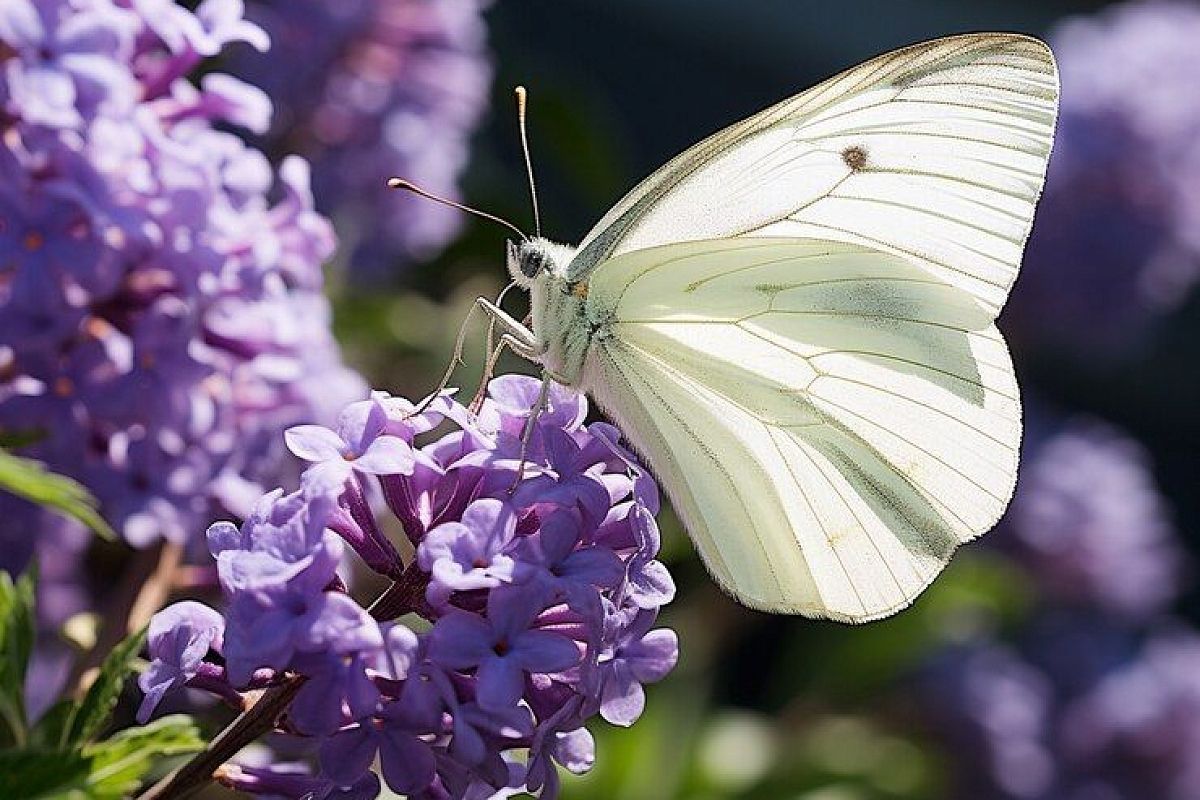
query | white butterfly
(792,322)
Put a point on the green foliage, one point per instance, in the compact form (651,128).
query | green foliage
(62,756)
(118,764)
(16,639)
(29,479)
(101,698)
(40,773)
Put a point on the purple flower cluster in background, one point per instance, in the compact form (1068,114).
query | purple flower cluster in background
(533,567)
(1097,693)
(1118,235)
(161,316)
(371,88)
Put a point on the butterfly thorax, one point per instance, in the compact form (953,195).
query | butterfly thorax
(561,315)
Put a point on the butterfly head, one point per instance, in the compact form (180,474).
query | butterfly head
(532,258)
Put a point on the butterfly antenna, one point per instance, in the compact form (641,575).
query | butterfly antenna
(409,186)
(537,216)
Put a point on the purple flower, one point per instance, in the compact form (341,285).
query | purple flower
(160,317)
(67,66)
(179,638)
(1090,524)
(998,711)
(559,739)
(466,555)
(639,656)
(362,441)
(558,556)
(1138,731)
(1115,243)
(358,85)
(502,647)
(540,611)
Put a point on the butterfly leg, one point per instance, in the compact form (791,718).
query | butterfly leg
(530,425)
(514,334)
(506,340)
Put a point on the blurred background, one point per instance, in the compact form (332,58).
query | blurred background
(1059,658)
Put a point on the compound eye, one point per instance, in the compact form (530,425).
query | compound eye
(532,264)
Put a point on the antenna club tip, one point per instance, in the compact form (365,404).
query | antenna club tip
(397,183)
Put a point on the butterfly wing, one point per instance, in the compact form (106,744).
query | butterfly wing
(936,152)
(830,421)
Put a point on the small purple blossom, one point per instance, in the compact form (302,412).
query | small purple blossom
(460,556)
(179,638)
(542,598)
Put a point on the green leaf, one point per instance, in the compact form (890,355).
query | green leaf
(120,763)
(51,730)
(37,773)
(27,478)
(98,703)
(16,639)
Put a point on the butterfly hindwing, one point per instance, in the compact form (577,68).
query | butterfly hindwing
(830,421)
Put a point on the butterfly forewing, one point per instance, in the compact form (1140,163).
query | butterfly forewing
(936,152)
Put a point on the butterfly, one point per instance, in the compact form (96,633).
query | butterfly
(793,323)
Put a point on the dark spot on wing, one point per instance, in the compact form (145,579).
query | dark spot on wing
(855,158)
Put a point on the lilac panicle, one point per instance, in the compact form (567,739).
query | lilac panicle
(539,581)
(370,88)
(1096,693)
(161,320)
(1090,525)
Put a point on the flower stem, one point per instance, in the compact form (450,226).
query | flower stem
(252,723)
(405,595)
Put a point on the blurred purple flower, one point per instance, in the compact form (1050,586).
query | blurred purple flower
(1090,524)
(160,319)
(1116,240)
(536,626)
(996,712)
(370,88)
(1138,732)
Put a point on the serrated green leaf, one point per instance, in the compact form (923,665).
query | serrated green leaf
(27,478)
(120,763)
(16,638)
(33,774)
(98,703)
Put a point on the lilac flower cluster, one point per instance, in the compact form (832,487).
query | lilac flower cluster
(370,88)
(161,319)
(1095,694)
(533,565)
(1091,526)
(1117,242)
